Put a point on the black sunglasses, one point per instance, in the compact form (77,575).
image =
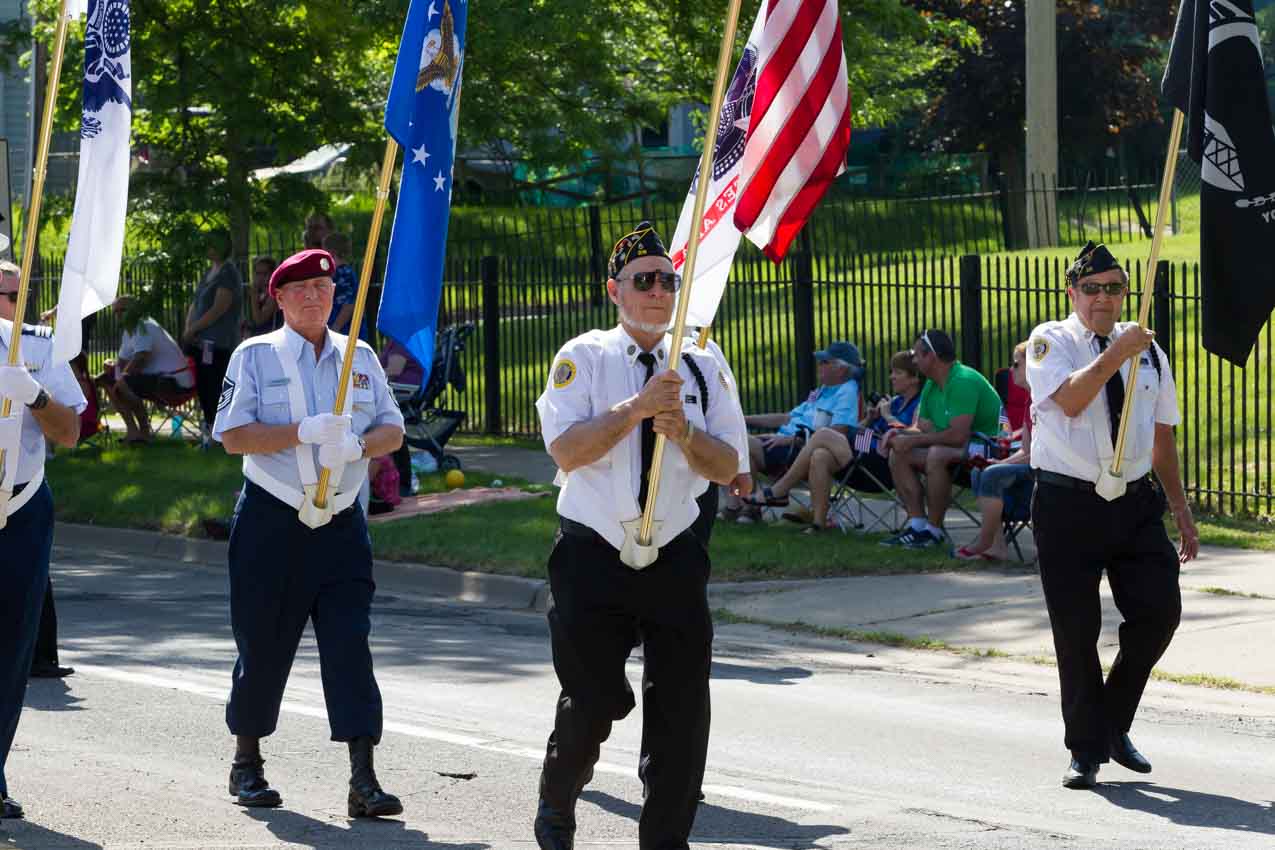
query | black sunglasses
(643,281)
(1113,289)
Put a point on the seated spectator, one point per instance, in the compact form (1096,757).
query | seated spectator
(993,481)
(822,461)
(266,316)
(834,404)
(347,288)
(956,403)
(151,367)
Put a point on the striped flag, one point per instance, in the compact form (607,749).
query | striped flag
(863,440)
(1003,423)
(799,129)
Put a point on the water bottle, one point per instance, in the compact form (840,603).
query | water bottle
(177,426)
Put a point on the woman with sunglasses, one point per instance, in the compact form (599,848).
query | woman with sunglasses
(1078,370)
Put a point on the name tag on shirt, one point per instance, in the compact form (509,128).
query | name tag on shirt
(278,382)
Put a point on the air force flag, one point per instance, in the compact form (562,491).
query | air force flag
(421,114)
(90,277)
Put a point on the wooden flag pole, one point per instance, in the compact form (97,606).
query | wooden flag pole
(1148,282)
(688,277)
(356,320)
(32,225)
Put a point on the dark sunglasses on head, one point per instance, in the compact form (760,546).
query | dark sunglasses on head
(1094,288)
(643,281)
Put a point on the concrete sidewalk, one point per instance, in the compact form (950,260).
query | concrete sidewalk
(1222,634)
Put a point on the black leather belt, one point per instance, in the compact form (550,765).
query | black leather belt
(1044,476)
(571,528)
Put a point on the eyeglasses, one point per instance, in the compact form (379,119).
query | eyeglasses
(1112,289)
(305,290)
(643,281)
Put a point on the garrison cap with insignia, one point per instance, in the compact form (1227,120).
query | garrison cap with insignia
(1094,258)
(642,242)
(311,263)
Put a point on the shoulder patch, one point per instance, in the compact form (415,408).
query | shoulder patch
(1038,348)
(227,393)
(563,374)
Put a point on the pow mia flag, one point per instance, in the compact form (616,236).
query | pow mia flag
(1215,77)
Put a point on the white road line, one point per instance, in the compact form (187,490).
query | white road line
(172,681)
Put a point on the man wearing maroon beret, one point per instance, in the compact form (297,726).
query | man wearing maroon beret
(290,563)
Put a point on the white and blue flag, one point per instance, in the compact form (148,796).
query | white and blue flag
(421,114)
(90,277)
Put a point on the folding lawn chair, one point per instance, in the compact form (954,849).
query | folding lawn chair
(1017,516)
(181,408)
(847,504)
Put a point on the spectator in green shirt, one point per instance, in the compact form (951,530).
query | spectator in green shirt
(956,403)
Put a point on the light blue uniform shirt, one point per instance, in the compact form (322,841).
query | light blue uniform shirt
(36,350)
(257,389)
(826,407)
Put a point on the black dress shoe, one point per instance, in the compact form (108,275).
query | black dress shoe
(51,671)
(553,829)
(1081,774)
(248,784)
(367,799)
(1124,754)
(10,809)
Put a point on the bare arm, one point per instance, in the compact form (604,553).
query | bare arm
(1164,460)
(221,303)
(257,438)
(382,440)
(586,442)
(710,457)
(1083,385)
(955,435)
(262,309)
(60,424)
(766,420)
(134,365)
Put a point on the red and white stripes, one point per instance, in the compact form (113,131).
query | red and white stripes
(800,125)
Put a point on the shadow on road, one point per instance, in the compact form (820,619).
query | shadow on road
(51,695)
(305,831)
(1191,808)
(720,825)
(32,836)
(760,675)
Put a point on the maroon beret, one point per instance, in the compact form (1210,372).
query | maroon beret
(313,262)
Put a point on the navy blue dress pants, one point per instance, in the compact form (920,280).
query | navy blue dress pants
(283,574)
(28,537)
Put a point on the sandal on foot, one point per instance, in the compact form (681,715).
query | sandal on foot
(967,554)
(768,499)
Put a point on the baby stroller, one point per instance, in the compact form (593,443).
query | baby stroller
(429,427)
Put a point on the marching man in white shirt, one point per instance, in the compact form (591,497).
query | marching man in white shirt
(609,393)
(1078,369)
(45,403)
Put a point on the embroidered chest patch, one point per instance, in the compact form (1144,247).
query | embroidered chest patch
(362,381)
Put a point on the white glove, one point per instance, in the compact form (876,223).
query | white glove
(332,455)
(16,383)
(324,428)
(10,433)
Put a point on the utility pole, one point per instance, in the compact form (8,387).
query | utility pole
(1042,123)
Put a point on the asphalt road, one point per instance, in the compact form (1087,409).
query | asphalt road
(815,743)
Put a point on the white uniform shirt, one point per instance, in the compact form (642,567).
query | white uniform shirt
(591,374)
(36,350)
(166,356)
(740,442)
(257,389)
(1077,446)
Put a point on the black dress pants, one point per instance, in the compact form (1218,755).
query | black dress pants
(598,606)
(46,640)
(1078,536)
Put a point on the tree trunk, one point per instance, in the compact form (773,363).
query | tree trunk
(240,198)
(1011,160)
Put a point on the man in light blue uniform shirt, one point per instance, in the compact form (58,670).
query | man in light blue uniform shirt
(45,403)
(275,410)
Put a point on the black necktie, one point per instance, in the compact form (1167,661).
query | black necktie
(1115,395)
(647,359)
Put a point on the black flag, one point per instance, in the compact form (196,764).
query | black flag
(1215,77)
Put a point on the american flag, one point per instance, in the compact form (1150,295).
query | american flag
(1003,423)
(799,128)
(863,440)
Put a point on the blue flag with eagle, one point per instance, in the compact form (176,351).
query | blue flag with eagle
(421,114)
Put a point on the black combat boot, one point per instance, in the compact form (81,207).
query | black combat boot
(248,783)
(367,800)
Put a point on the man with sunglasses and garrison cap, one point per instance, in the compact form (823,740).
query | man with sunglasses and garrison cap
(1078,370)
(609,393)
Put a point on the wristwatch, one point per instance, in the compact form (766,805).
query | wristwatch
(362,447)
(41,400)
